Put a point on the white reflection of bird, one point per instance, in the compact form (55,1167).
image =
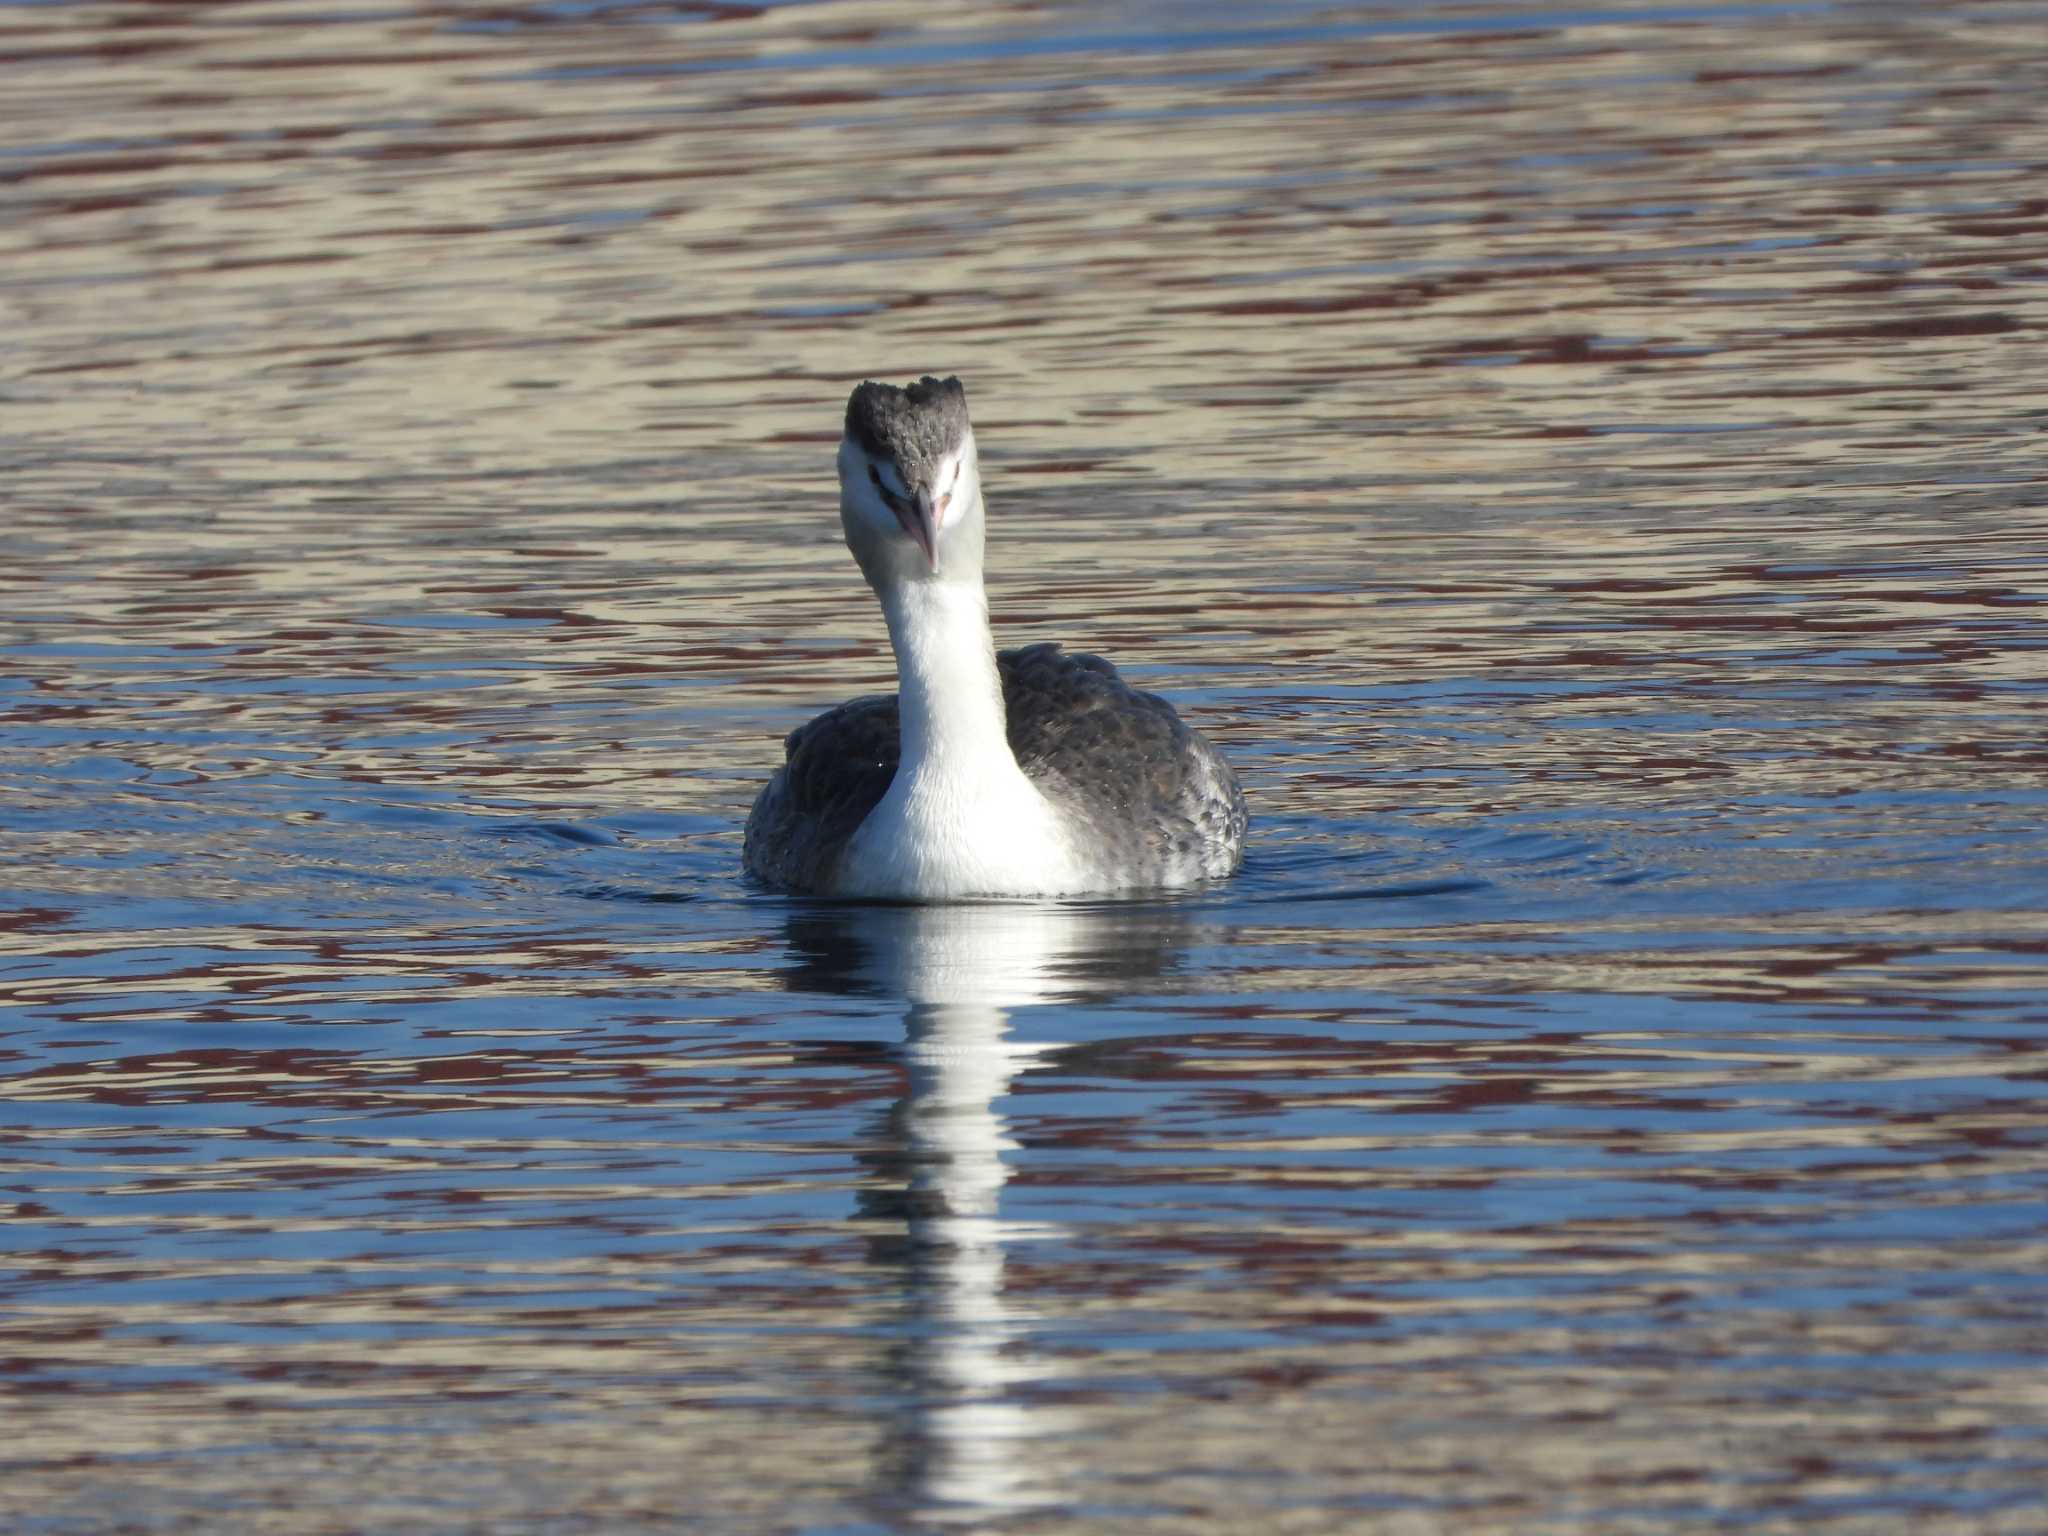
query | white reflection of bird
(1029,773)
(984,1419)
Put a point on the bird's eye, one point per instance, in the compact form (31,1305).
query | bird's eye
(875,475)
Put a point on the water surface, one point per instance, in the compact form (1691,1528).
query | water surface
(1583,466)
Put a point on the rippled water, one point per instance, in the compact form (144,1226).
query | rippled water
(1584,466)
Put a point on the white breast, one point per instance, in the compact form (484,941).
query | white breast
(960,818)
(976,829)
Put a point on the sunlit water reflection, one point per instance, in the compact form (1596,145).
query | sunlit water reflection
(1583,467)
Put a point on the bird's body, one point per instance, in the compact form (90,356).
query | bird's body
(1032,773)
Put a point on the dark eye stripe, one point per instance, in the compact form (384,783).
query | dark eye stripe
(895,503)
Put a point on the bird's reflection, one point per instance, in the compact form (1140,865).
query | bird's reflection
(971,1439)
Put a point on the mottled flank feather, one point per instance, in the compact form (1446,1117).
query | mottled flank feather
(836,769)
(1151,801)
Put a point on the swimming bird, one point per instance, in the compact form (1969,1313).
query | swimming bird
(1032,772)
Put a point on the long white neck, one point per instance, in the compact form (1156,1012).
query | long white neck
(951,699)
(960,818)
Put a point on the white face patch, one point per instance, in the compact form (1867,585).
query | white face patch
(945,501)
(868,483)
(903,529)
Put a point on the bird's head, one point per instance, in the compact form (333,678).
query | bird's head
(910,483)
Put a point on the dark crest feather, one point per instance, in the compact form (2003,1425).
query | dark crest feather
(915,427)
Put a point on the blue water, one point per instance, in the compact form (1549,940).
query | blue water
(1610,1096)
